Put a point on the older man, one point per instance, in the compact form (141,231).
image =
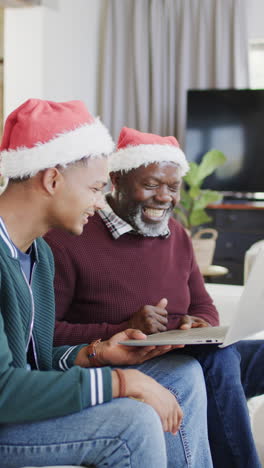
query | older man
(55,408)
(134,266)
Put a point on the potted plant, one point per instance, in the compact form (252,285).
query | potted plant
(191,210)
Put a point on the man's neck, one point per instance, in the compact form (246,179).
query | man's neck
(113,202)
(24,221)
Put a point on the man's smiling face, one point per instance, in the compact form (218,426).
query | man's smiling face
(146,196)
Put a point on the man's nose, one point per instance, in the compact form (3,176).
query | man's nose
(163,194)
(99,201)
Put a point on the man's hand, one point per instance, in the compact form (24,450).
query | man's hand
(151,319)
(112,353)
(190,321)
(141,386)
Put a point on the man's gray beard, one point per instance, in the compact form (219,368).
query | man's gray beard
(150,230)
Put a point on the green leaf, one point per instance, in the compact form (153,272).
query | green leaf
(195,192)
(192,175)
(209,163)
(193,198)
(186,200)
(206,197)
(198,217)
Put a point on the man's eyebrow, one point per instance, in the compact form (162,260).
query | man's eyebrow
(99,182)
(147,178)
(157,179)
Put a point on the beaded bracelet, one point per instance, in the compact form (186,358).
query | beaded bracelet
(93,354)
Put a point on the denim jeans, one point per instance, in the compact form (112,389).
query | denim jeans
(118,434)
(183,376)
(122,433)
(232,375)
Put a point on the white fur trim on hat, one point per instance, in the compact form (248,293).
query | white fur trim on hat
(132,157)
(87,140)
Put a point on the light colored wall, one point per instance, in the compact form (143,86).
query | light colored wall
(1,70)
(1,32)
(52,52)
(23,56)
(71,50)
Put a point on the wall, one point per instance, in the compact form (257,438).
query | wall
(71,44)
(52,52)
(23,55)
(1,68)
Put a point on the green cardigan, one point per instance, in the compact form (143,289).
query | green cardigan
(58,388)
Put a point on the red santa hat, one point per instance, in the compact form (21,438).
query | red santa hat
(136,148)
(41,134)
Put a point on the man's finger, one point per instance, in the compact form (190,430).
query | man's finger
(146,353)
(135,334)
(164,348)
(151,351)
(161,318)
(199,324)
(147,350)
(177,421)
(161,327)
(160,314)
(186,322)
(162,303)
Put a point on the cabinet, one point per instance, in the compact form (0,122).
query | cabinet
(238,226)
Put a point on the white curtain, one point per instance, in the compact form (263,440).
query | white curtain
(155,50)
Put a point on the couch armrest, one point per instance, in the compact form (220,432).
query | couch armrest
(225,297)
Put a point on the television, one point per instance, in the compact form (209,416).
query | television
(232,121)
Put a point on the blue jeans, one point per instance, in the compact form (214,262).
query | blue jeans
(122,433)
(252,366)
(118,434)
(232,375)
(183,376)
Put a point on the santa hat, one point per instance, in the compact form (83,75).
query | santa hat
(136,148)
(41,134)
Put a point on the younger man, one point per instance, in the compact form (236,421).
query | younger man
(52,411)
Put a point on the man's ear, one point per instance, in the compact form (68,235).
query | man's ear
(115,179)
(51,180)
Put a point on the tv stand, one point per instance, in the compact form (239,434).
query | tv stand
(239,225)
(243,197)
(243,202)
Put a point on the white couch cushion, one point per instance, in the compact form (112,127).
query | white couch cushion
(225,297)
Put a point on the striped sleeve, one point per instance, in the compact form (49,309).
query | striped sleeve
(96,382)
(63,363)
(63,357)
(96,386)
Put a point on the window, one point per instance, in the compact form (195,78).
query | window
(256,63)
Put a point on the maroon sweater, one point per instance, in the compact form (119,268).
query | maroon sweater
(100,282)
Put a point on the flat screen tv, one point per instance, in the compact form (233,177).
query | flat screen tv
(232,121)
